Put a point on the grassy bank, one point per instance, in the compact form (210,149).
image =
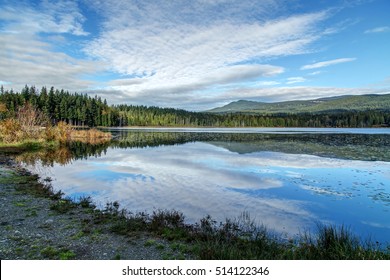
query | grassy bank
(242,239)
(233,239)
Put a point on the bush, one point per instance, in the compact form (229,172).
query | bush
(63,132)
(10,131)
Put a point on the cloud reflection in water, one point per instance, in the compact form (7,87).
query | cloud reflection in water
(286,192)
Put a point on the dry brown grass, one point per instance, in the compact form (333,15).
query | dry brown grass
(10,131)
(92,136)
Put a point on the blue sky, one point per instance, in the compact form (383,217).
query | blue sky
(197,54)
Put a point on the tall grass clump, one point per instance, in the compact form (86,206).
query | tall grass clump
(236,239)
(9,130)
(336,243)
(92,136)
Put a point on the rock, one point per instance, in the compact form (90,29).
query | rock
(49,221)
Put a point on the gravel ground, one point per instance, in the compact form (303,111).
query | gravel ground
(29,229)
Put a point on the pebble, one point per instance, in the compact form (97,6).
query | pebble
(49,221)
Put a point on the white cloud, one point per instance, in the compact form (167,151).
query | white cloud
(268,83)
(37,64)
(29,37)
(47,17)
(326,63)
(294,80)
(191,55)
(198,47)
(315,73)
(126,82)
(380,29)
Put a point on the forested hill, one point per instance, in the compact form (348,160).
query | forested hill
(357,103)
(83,110)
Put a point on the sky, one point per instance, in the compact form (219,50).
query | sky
(199,54)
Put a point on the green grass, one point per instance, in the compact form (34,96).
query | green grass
(150,242)
(57,254)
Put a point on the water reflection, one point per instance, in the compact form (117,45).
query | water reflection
(288,182)
(338,145)
(63,155)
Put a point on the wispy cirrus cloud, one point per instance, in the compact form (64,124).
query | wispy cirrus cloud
(294,80)
(47,17)
(380,29)
(326,63)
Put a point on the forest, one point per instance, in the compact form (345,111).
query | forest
(84,110)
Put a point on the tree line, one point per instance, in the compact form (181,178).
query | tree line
(83,110)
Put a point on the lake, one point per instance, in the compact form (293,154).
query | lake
(287,179)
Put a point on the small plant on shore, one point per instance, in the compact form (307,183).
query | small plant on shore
(150,242)
(67,255)
(166,219)
(55,254)
(86,202)
(62,206)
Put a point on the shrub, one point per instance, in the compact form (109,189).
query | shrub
(63,132)
(31,121)
(10,130)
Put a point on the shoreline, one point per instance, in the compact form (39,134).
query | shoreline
(330,130)
(34,226)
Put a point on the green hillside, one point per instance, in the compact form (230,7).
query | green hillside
(322,105)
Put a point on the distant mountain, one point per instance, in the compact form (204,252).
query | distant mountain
(323,105)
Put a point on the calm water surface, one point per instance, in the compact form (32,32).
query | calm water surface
(287,179)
